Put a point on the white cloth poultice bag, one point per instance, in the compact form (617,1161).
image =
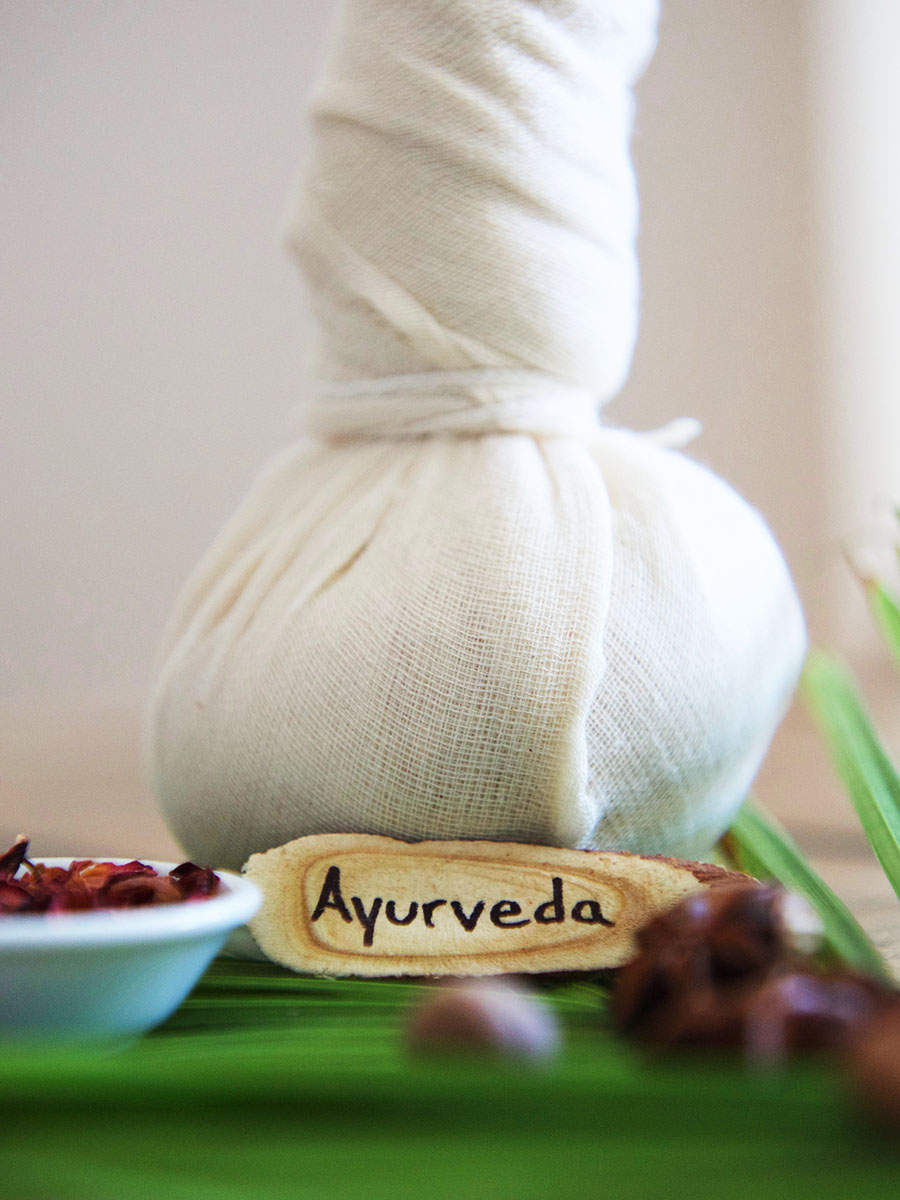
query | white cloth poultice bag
(459,607)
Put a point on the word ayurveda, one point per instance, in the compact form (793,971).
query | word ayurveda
(504,914)
(363,904)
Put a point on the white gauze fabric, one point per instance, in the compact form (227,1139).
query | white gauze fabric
(459,607)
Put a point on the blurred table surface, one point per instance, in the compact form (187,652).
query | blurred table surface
(72,778)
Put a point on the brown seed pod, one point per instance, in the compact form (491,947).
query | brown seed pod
(797,1011)
(494,1016)
(724,970)
(873,1063)
(705,950)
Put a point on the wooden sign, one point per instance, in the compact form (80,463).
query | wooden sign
(353,904)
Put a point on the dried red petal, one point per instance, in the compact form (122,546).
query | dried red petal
(137,891)
(13,858)
(49,877)
(87,884)
(14,898)
(97,876)
(75,896)
(130,868)
(193,882)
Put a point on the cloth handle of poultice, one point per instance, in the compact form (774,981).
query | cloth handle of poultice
(467,218)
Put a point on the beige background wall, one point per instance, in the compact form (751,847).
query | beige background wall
(152,331)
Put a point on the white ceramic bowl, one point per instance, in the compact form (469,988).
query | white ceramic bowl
(111,973)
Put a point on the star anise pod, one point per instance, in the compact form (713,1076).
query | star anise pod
(711,943)
(722,970)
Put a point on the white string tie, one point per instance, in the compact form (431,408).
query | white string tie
(473,402)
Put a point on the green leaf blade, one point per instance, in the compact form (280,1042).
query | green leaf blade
(886,613)
(861,762)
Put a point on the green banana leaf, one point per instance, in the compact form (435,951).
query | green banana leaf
(886,613)
(867,772)
(271,1085)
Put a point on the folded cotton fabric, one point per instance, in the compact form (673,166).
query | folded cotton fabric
(459,606)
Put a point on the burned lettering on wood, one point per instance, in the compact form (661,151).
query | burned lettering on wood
(503,914)
(390,911)
(467,920)
(503,910)
(330,896)
(354,904)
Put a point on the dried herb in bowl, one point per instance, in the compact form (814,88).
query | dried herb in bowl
(85,884)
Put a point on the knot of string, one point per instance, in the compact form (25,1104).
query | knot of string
(486,400)
(472,403)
